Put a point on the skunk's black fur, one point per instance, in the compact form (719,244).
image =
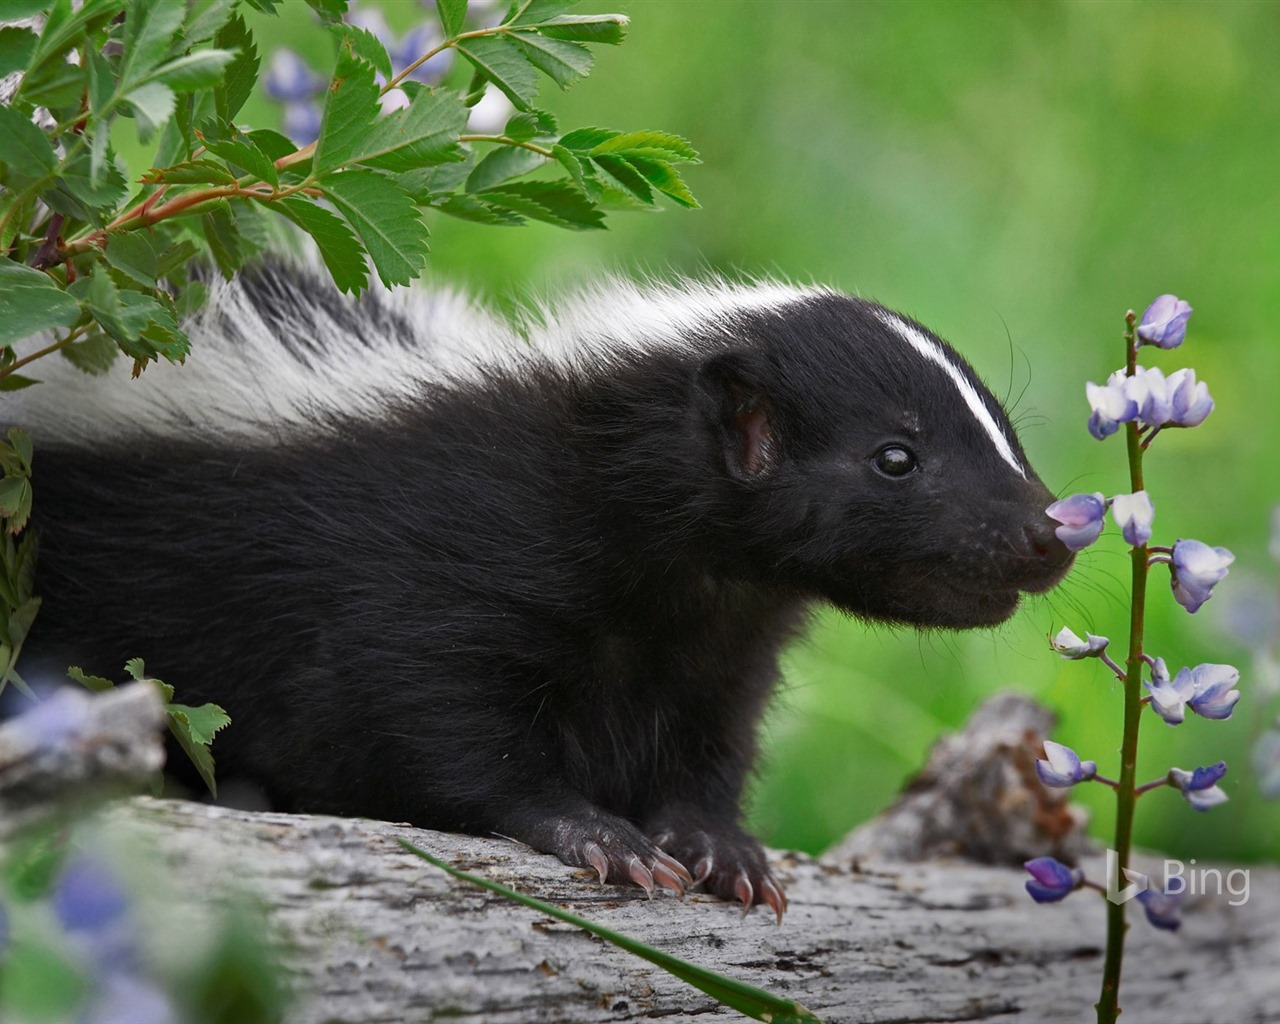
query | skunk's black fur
(545,598)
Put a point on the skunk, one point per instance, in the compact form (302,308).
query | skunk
(527,577)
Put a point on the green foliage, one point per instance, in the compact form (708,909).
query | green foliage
(738,995)
(85,256)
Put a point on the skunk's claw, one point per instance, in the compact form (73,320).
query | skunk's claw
(620,853)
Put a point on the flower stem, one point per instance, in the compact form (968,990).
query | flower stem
(1108,1005)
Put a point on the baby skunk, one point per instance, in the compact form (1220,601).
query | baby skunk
(525,579)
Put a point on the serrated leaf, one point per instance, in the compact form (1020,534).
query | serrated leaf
(563,61)
(385,218)
(178,254)
(102,83)
(95,683)
(11,489)
(133,253)
(532,12)
(16,47)
(583,140)
(25,573)
(241,74)
(350,109)
(136,669)
(23,617)
(149,28)
(265,6)
(626,178)
(342,254)
(95,355)
(152,105)
(17,9)
(21,442)
(224,241)
(329,10)
(453,16)
(530,124)
(609,29)
(273,144)
(580,170)
(144,328)
(503,164)
(502,63)
(238,149)
(200,70)
(554,202)
(427,182)
(419,135)
(31,302)
(190,172)
(75,194)
(16,382)
(205,19)
(205,721)
(364,45)
(648,144)
(180,727)
(476,210)
(27,156)
(64,28)
(665,179)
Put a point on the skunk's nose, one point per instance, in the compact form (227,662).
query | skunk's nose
(1043,544)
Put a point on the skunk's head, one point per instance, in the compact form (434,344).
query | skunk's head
(865,462)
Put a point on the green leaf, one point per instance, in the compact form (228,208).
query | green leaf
(349,113)
(533,12)
(476,210)
(180,725)
(329,10)
(25,573)
(564,62)
(16,382)
(453,16)
(555,202)
(580,170)
(190,172)
(11,490)
(364,45)
(95,683)
(385,218)
(238,149)
(584,140)
(419,135)
(738,995)
(95,355)
(21,442)
(40,984)
(626,177)
(242,73)
(144,328)
(22,618)
(200,70)
(30,301)
(427,182)
(16,47)
(204,721)
(75,194)
(102,83)
(152,105)
(16,9)
(224,241)
(265,6)
(207,18)
(502,63)
(503,164)
(530,124)
(63,29)
(26,156)
(136,668)
(665,179)
(273,144)
(610,29)
(342,254)
(133,253)
(176,255)
(648,144)
(149,28)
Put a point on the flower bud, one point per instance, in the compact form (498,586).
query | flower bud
(1200,787)
(1110,405)
(1133,514)
(1214,694)
(1163,909)
(1081,516)
(1197,568)
(1169,698)
(1189,401)
(1062,767)
(1072,648)
(1051,880)
(1164,322)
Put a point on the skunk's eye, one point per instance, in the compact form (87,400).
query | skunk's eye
(894,461)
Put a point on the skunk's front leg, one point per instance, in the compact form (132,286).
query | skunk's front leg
(583,835)
(727,861)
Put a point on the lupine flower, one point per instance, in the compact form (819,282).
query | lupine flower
(1051,880)
(1163,909)
(1072,648)
(1153,393)
(1189,399)
(1164,322)
(1169,698)
(1111,404)
(1197,568)
(58,720)
(1200,787)
(289,78)
(1214,694)
(1081,516)
(1133,514)
(1063,767)
(126,997)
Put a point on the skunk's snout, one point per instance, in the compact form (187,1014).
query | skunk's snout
(1051,557)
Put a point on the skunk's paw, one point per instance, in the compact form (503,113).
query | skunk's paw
(619,852)
(728,863)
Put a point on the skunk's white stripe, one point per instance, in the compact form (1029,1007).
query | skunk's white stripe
(933,352)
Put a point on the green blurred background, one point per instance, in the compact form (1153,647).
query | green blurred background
(1016,176)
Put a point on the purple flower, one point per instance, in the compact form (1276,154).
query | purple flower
(416,43)
(1133,514)
(58,720)
(1164,323)
(1051,880)
(126,997)
(1072,648)
(1169,699)
(1200,787)
(1063,767)
(1110,405)
(1151,390)
(1081,516)
(1214,694)
(1163,909)
(289,79)
(1189,401)
(302,122)
(1197,568)
(88,897)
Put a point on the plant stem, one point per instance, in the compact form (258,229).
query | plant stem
(504,141)
(1108,1005)
(47,350)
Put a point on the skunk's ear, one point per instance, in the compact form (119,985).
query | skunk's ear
(743,416)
